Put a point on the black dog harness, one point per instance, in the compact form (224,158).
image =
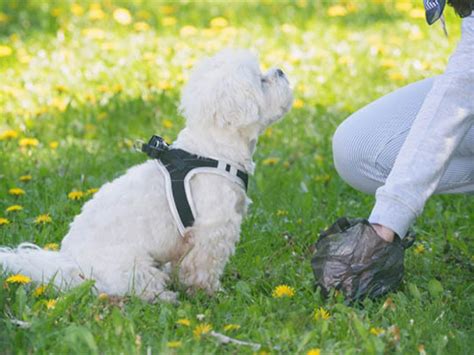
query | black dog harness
(178,167)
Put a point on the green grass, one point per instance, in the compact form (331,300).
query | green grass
(96,91)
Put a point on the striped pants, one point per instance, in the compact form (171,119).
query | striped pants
(366,144)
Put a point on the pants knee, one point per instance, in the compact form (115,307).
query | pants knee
(352,154)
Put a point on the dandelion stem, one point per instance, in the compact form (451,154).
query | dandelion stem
(224,339)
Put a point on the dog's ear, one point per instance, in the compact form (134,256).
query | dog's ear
(224,91)
(238,98)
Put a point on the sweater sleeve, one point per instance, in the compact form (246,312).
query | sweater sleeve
(442,122)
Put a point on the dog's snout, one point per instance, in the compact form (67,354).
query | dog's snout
(280,72)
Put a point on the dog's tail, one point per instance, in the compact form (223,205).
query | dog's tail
(41,265)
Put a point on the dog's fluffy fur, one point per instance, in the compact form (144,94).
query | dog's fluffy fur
(125,235)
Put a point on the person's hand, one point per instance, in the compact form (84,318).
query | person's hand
(383,232)
(350,256)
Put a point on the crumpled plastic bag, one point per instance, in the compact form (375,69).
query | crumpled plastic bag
(352,258)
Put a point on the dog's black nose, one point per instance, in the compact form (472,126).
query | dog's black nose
(280,72)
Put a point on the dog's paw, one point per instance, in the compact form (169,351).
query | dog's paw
(167,296)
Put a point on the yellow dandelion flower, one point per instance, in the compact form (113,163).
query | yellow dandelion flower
(18,279)
(298,103)
(231,327)
(314,351)
(51,246)
(59,104)
(321,313)
(167,124)
(77,9)
(14,208)
(54,144)
(281,213)
(5,51)
(28,142)
(16,191)
(149,56)
(388,63)
(25,178)
(268,132)
(219,22)
(50,304)
(417,13)
(91,191)
(352,7)
(322,178)
(345,60)
(164,85)
(167,9)
(14,37)
(75,195)
(187,31)
(43,219)
(141,26)
(271,161)
(184,321)
(174,344)
(8,134)
(108,46)
(283,291)
(420,249)
(337,11)
(376,331)
(4,221)
(103,296)
(169,21)
(202,329)
(122,16)
(403,6)
(396,76)
(3,18)
(39,290)
(95,12)
(93,33)
(117,88)
(56,12)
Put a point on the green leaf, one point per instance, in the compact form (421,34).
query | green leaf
(435,288)
(76,335)
(20,302)
(414,291)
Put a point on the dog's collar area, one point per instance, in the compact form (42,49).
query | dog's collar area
(157,148)
(178,167)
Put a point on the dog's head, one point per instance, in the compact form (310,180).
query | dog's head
(229,91)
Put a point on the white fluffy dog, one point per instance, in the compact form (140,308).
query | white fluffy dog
(126,234)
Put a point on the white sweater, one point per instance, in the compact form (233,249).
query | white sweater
(443,120)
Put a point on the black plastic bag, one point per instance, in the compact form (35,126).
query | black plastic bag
(352,258)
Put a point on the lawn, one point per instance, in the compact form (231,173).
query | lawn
(81,82)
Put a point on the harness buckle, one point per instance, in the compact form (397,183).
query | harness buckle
(155,147)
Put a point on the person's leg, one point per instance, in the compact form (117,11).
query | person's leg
(367,143)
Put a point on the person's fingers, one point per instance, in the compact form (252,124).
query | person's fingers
(383,232)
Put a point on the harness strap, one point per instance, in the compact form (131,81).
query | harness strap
(178,164)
